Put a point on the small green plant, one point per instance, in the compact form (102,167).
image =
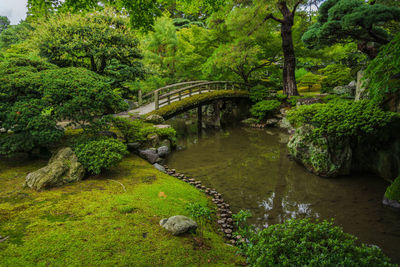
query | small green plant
(243,229)
(101,153)
(265,108)
(393,191)
(281,97)
(293,100)
(201,214)
(258,93)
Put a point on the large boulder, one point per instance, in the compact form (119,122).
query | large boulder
(150,155)
(62,168)
(320,155)
(178,224)
(344,90)
(163,151)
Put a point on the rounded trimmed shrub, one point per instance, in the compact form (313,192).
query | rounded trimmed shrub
(264,108)
(96,155)
(304,243)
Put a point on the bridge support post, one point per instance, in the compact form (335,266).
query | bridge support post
(140,98)
(156,102)
(199,119)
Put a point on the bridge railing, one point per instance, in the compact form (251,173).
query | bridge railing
(149,97)
(163,97)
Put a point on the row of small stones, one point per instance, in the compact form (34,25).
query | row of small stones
(225,220)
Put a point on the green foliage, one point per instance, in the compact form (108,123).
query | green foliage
(393,191)
(201,214)
(36,95)
(383,72)
(293,100)
(99,154)
(335,75)
(265,108)
(4,23)
(137,131)
(342,118)
(281,97)
(15,34)
(345,20)
(304,243)
(309,80)
(300,73)
(100,42)
(259,93)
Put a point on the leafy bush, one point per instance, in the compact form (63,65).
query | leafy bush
(102,153)
(258,93)
(137,130)
(309,80)
(264,108)
(342,118)
(393,191)
(281,97)
(200,213)
(293,100)
(304,243)
(335,75)
(382,71)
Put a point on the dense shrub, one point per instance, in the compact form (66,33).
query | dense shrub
(258,93)
(335,75)
(137,130)
(101,153)
(36,95)
(393,191)
(342,118)
(304,243)
(264,108)
(309,80)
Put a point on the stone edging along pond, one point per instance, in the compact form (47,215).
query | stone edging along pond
(224,214)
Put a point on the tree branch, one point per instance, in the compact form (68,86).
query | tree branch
(296,6)
(269,16)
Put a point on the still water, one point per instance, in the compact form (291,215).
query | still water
(250,168)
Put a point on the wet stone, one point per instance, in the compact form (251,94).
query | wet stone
(228,231)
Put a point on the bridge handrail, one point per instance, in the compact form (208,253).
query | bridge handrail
(193,84)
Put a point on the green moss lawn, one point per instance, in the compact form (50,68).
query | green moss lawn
(96,223)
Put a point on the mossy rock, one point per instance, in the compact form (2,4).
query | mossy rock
(320,156)
(392,194)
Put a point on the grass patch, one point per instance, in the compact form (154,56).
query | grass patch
(96,223)
(184,104)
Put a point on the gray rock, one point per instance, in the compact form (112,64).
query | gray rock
(361,87)
(166,143)
(62,168)
(154,118)
(133,146)
(150,155)
(159,167)
(163,151)
(353,84)
(272,122)
(344,90)
(249,121)
(153,140)
(178,224)
(391,203)
(284,124)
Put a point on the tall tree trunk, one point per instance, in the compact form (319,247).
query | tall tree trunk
(289,66)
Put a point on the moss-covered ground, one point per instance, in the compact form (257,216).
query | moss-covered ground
(97,223)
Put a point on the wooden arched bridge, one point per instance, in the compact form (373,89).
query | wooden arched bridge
(165,96)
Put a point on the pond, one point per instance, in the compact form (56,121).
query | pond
(252,171)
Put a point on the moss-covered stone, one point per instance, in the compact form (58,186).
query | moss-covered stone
(393,191)
(321,156)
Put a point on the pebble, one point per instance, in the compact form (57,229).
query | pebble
(233,242)
(228,235)
(228,231)
(229,220)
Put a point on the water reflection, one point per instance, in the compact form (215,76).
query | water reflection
(251,169)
